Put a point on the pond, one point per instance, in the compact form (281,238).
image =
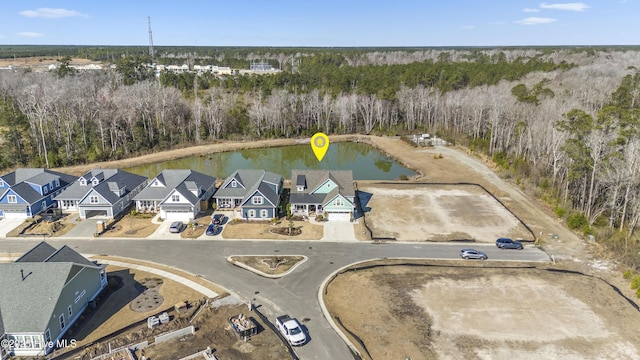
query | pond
(366,162)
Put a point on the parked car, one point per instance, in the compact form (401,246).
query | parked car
(176,227)
(506,243)
(217,219)
(212,229)
(472,254)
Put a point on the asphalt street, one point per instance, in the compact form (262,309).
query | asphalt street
(296,293)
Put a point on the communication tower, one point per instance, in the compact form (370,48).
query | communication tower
(150,38)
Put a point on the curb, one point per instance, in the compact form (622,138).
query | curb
(263,274)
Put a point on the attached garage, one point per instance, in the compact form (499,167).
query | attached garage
(173,215)
(94,213)
(15,214)
(177,212)
(339,216)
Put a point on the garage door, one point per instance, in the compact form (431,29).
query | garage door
(99,214)
(339,216)
(179,216)
(14,215)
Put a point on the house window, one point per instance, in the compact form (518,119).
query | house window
(251,213)
(257,200)
(225,203)
(47,336)
(83,181)
(175,198)
(93,199)
(234,183)
(264,213)
(1,183)
(45,189)
(61,321)
(44,205)
(57,182)
(339,202)
(12,199)
(70,310)
(36,342)
(95,182)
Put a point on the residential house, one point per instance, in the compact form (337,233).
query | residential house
(43,293)
(27,192)
(101,192)
(329,193)
(177,194)
(254,193)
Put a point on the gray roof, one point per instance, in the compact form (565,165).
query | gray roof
(118,178)
(181,180)
(42,178)
(26,192)
(38,253)
(250,180)
(32,285)
(20,179)
(315,178)
(1,325)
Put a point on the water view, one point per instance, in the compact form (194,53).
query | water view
(366,162)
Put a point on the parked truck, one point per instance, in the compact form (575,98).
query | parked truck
(291,330)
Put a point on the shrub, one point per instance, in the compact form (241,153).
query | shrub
(112,283)
(560,211)
(403,177)
(577,221)
(635,282)
(628,274)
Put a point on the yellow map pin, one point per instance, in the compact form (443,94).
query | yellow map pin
(320,145)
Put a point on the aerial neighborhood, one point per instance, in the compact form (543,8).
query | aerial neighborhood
(274,182)
(177,194)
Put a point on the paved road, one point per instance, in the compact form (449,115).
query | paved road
(296,293)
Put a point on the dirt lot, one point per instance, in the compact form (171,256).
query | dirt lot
(40,62)
(213,330)
(411,212)
(480,312)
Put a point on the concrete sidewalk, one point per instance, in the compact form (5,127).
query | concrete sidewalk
(166,274)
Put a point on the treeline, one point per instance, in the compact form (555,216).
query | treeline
(565,121)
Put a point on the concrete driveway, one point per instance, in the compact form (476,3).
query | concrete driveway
(341,231)
(7,225)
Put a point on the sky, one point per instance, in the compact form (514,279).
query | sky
(325,23)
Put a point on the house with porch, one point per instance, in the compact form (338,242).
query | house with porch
(27,192)
(101,192)
(177,194)
(254,194)
(44,292)
(321,192)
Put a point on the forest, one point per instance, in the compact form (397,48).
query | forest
(561,121)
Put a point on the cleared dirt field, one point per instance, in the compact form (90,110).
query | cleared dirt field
(483,312)
(414,212)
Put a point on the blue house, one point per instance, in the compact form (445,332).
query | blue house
(27,192)
(255,194)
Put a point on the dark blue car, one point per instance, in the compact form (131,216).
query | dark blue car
(212,229)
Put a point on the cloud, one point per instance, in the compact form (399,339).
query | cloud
(535,21)
(578,6)
(49,13)
(530,10)
(29,34)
